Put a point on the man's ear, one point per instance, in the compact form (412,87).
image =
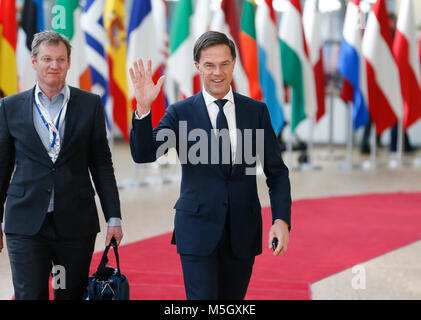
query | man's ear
(70,60)
(197,65)
(33,61)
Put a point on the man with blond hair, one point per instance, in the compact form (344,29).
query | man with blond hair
(52,138)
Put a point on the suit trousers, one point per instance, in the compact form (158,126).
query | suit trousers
(219,276)
(32,259)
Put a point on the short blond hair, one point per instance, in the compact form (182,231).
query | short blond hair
(49,37)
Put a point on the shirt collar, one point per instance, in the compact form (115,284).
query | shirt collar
(210,99)
(38,91)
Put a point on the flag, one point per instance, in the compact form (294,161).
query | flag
(406,55)
(296,67)
(79,74)
(419,47)
(347,91)
(313,35)
(351,64)
(201,24)
(96,38)
(225,20)
(384,89)
(116,57)
(270,69)
(8,40)
(32,21)
(201,18)
(141,31)
(159,11)
(249,49)
(180,61)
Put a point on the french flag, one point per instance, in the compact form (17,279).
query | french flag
(143,42)
(406,55)
(383,82)
(352,65)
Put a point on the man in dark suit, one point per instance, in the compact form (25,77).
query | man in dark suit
(52,138)
(218,223)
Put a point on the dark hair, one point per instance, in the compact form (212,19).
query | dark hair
(49,37)
(209,39)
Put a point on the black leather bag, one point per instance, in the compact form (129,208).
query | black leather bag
(108,283)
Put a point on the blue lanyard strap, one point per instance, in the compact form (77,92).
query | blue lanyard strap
(46,123)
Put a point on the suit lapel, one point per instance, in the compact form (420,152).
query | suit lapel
(71,119)
(201,111)
(240,113)
(32,138)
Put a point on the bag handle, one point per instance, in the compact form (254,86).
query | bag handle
(104,259)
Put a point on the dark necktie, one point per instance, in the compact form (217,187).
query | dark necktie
(222,123)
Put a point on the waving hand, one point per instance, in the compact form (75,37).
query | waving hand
(145,90)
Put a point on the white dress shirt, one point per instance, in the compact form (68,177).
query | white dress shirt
(213,109)
(229,111)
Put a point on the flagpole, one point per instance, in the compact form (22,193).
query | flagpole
(309,150)
(330,113)
(330,155)
(289,140)
(373,146)
(393,163)
(370,164)
(310,142)
(349,143)
(309,165)
(416,162)
(331,96)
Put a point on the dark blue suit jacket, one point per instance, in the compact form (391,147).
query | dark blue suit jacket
(84,151)
(207,191)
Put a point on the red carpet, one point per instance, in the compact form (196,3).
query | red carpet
(328,235)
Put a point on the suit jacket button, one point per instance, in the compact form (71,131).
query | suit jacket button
(49,190)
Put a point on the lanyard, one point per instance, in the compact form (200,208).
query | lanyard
(55,131)
(46,119)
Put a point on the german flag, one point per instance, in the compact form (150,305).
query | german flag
(8,40)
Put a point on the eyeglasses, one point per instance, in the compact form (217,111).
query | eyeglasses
(49,60)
